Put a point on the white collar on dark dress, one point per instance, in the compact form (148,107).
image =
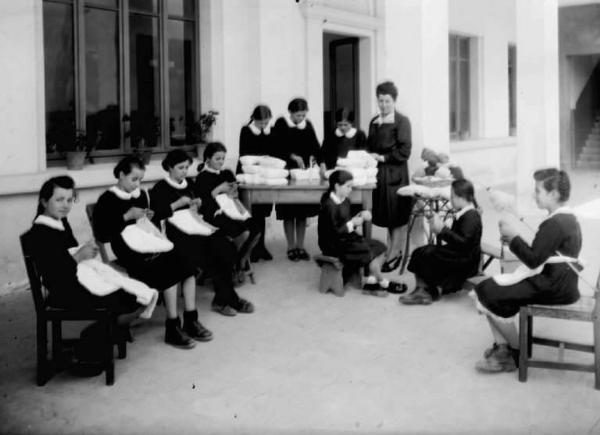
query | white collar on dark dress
(290,123)
(387,119)
(125,195)
(336,199)
(55,224)
(463,210)
(254,129)
(175,184)
(211,170)
(349,134)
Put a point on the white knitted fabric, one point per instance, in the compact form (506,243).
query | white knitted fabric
(191,223)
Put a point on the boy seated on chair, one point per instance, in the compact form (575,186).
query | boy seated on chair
(338,238)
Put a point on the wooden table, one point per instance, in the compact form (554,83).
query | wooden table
(303,192)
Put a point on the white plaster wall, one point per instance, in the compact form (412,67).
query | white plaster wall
(493,23)
(21,111)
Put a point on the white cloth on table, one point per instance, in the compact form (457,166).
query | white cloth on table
(266,161)
(259,179)
(265,171)
(305,174)
(425,191)
(357,159)
(191,223)
(100,279)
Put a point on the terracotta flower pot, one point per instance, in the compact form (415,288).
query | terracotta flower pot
(75,159)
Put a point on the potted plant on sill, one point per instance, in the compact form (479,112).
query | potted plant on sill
(201,129)
(74,147)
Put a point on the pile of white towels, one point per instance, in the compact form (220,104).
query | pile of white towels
(263,170)
(360,164)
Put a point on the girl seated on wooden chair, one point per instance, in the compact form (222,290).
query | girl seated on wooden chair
(52,241)
(338,238)
(442,269)
(123,205)
(214,253)
(211,181)
(550,276)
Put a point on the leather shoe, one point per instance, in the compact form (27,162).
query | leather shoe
(392,264)
(225,310)
(419,297)
(244,306)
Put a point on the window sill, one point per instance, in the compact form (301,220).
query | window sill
(480,144)
(92,175)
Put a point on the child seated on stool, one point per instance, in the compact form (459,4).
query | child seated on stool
(441,269)
(338,238)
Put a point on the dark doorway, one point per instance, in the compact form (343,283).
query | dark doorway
(340,77)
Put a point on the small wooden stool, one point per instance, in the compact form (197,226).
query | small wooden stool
(331,274)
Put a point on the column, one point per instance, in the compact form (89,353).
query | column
(538,143)
(416,59)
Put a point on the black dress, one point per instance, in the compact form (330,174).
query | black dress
(302,142)
(393,142)
(556,284)
(159,271)
(206,182)
(336,239)
(335,146)
(215,253)
(58,270)
(450,264)
(261,144)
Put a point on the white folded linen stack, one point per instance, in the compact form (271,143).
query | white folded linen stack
(263,170)
(357,159)
(305,174)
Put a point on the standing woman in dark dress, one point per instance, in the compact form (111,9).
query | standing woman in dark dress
(122,205)
(556,244)
(214,253)
(298,145)
(443,269)
(389,142)
(256,140)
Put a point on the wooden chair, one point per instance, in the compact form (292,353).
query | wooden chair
(45,314)
(586,309)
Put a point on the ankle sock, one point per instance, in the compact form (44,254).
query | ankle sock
(370,280)
(384,283)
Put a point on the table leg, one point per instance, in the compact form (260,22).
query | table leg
(405,255)
(246,198)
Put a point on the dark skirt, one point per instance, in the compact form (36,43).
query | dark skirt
(159,271)
(262,210)
(505,301)
(119,302)
(391,210)
(296,211)
(357,251)
(440,266)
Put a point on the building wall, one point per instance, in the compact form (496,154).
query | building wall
(269,51)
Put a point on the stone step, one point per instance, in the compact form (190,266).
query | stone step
(594,137)
(592,143)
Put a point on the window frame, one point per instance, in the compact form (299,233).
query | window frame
(124,13)
(458,58)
